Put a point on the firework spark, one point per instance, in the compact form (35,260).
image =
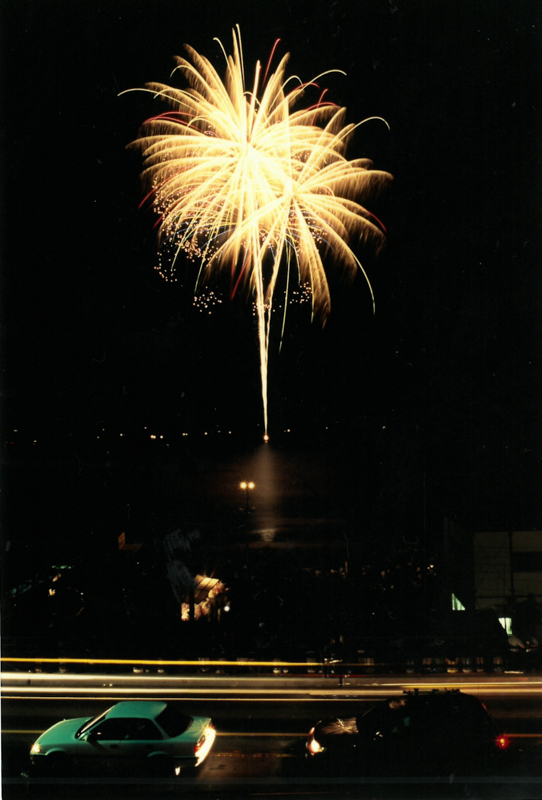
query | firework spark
(245,184)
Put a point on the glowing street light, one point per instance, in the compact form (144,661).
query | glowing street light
(247,486)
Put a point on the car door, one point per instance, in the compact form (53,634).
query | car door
(102,747)
(142,740)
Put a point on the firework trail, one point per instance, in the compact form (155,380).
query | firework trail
(243,183)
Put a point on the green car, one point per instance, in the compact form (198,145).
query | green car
(129,735)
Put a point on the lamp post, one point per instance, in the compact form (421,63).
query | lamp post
(247,486)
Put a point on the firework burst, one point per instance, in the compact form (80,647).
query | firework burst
(244,183)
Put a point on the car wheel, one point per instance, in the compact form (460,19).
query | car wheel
(161,767)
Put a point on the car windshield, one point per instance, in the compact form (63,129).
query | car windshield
(173,722)
(89,723)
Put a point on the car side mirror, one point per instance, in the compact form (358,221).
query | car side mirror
(91,736)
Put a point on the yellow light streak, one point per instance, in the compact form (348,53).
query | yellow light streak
(247,186)
(155,663)
(16,732)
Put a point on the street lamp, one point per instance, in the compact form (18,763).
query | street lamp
(247,486)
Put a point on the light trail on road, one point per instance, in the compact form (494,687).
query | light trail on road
(252,735)
(345,670)
(383,680)
(236,734)
(179,695)
(248,689)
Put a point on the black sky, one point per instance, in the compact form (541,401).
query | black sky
(451,362)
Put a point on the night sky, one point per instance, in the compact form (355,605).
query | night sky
(450,366)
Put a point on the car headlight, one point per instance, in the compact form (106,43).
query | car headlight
(35,748)
(313,746)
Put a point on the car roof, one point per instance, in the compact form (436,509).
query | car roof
(435,699)
(438,697)
(147,709)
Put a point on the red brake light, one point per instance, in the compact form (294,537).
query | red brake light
(210,730)
(502,742)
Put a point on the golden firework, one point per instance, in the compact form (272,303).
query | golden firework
(243,182)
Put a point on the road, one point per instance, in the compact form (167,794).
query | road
(261,724)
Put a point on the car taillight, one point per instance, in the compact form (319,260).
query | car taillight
(201,741)
(204,743)
(502,742)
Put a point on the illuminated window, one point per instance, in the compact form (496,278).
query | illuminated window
(506,622)
(457,605)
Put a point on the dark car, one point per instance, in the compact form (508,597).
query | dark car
(436,733)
